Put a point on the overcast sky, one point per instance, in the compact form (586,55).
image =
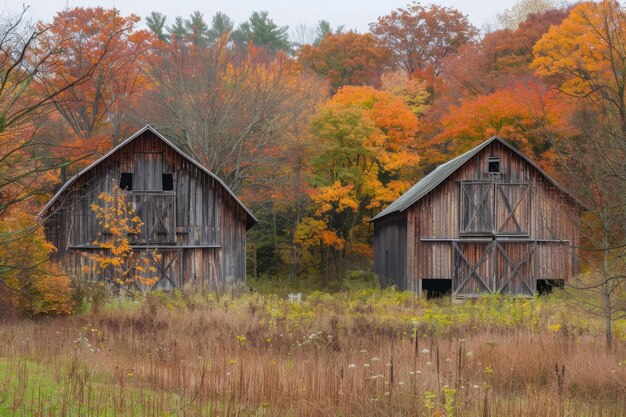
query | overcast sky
(354,14)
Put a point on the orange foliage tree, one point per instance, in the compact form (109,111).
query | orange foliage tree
(526,115)
(34,285)
(107,45)
(346,59)
(364,142)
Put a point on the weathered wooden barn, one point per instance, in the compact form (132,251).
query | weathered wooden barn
(194,222)
(487,221)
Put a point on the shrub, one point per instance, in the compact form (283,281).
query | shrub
(36,287)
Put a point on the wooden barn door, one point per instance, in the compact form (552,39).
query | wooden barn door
(157,211)
(477,208)
(156,208)
(515,268)
(148,171)
(496,266)
(512,209)
(168,265)
(473,268)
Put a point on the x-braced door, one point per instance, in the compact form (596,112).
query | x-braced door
(167,264)
(477,207)
(473,268)
(515,268)
(157,211)
(512,209)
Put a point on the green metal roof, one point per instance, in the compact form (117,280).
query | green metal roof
(439,174)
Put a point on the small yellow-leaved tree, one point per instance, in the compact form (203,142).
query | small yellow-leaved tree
(123,266)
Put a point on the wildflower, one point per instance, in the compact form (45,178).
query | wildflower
(428,363)
(232,362)
(425,350)
(352,366)
(475,387)
(400,383)
(411,373)
(363,351)
(375,360)
(554,327)
(387,393)
(366,365)
(448,360)
(469,354)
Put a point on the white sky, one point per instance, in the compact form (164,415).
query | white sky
(354,14)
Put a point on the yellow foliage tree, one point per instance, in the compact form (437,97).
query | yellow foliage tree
(365,144)
(123,266)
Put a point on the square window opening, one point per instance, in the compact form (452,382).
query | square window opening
(168,182)
(494,166)
(126,181)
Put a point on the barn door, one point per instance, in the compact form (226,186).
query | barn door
(168,268)
(512,209)
(515,270)
(157,211)
(148,172)
(473,268)
(477,208)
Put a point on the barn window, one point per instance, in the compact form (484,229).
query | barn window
(168,182)
(126,181)
(494,165)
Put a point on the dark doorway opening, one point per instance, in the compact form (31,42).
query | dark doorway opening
(545,286)
(436,287)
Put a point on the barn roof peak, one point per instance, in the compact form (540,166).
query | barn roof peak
(251,221)
(443,171)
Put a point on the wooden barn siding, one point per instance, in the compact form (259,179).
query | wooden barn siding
(210,224)
(390,246)
(436,216)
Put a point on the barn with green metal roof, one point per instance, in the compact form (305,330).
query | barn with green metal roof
(488,221)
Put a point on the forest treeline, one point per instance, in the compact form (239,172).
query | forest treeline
(315,135)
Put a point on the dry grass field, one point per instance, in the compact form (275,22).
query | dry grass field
(368,353)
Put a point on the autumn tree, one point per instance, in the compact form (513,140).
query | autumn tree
(225,106)
(107,44)
(526,115)
(365,138)
(586,57)
(122,265)
(498,60)
(27,95)
(346,59)
(512,17)
(419,37)
(27,278)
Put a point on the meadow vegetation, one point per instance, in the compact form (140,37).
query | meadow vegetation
(352,353)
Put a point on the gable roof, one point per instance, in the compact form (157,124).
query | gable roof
(439,174)
(250,221)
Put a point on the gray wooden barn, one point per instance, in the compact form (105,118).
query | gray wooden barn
(195,223)
(487,221)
